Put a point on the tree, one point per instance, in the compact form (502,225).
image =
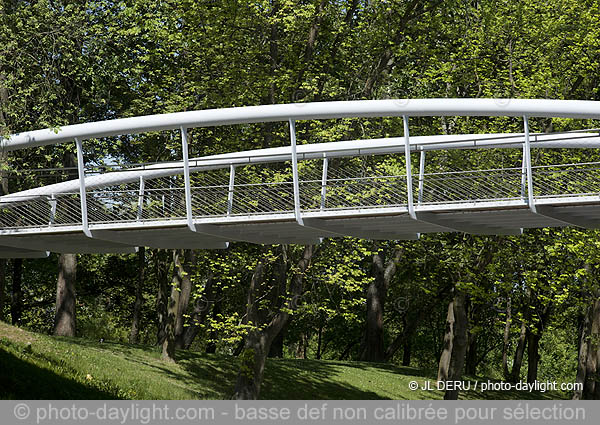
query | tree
(185,272)
(588,370)
(263,331)
(173,305)
(139,298)
(2,288)
(376,295)
(162,266)
(459,342)
(16,307)
(64,319)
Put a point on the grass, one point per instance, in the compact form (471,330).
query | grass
(36,366)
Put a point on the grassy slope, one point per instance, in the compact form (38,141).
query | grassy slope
(72,368)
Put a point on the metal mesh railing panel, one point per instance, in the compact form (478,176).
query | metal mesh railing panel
(471,186)
(567,180)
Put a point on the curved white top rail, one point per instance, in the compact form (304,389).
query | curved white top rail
(305,111)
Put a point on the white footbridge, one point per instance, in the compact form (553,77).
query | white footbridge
(305,191)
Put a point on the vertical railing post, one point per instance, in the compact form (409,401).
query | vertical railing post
(52,210)
(141,198)
(527,157)
(231,188)
(421,176)
(523,176)
(409,189)
(296,183)
(324,182)
(186,180)
(82,191)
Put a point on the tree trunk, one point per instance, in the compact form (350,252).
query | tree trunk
(472,360)
(395,345)
(137,306)
(168,345)
(404,340)
(305,342)
(2,289)
(591,386)
(407,351)
(515,375)
(373,350)
(162,297)
(258,342)
(256,345)
(444,365)
(276,350)
(533,342)
(319,341)
(211,347)
(277,294)
(348,348)
(582,353)
(459,344)
(252,366)
(185,271)
(506,341)
(533,355)
(64,320)
(410,324)
(373,339)
(16,307)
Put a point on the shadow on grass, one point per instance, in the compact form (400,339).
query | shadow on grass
(212,376)
(205,376)
(23,380)
(114,347)
(310,380)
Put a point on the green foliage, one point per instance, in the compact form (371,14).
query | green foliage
(559,359)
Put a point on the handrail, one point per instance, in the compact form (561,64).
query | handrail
(306,111)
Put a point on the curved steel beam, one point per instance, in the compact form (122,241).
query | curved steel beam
(307,111)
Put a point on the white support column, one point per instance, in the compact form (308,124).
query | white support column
(186,179)
(421,176)
(324,182)
(297,211)
(529,172)
(82,191)
(52,203)
(409,190)
(141,198)
(231,188)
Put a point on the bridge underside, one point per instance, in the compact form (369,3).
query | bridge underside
(487,218)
